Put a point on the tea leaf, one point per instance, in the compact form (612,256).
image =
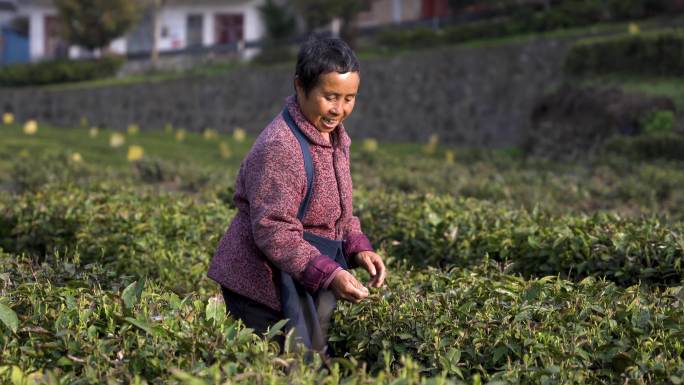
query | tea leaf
(132,292)
(9,318)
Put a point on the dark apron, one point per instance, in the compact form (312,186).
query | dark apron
(309,315)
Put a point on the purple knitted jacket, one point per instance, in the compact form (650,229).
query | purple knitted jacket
(266,234)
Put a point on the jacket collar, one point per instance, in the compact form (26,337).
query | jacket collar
(339,135)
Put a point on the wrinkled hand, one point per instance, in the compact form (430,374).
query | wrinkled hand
(372,262)
(346,287)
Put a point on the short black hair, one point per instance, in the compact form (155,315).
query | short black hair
(319,56)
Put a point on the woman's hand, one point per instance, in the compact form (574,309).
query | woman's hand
(346,287)
(373,263)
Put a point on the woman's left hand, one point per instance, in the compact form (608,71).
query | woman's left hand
(373,263)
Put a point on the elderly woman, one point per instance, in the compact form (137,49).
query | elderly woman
(287,250)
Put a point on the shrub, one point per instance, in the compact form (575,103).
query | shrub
(410,38)
(508,330)
(59,71)
(480,30)
(33,172)
(129,231)
(575,122)
(83,324)
(658,122)
(648,147)
(657,53)
(274,53)
(156,170)
(442,231)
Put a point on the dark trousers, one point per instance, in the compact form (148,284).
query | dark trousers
(252,313)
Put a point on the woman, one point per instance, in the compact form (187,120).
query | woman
(285,252)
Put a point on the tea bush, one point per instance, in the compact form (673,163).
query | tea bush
(438,231)
(658,53)
(510,330)
(102,274)
(83,324)
(614,182)
(141,231)
(648,147)
(33,172)
(130,230)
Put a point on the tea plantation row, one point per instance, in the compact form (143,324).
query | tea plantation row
(134,229)
(497,274)
(630,188)
(68,323)
(81,323)
(505,328)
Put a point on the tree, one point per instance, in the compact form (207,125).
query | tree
(280,25)
(319,13)
(156,5)
(93,24)
(348,12)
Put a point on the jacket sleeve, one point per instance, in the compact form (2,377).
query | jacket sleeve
(275,184)
(355,240)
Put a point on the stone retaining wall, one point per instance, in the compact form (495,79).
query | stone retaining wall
(470,96)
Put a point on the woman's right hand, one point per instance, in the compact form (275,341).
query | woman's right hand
(346,287)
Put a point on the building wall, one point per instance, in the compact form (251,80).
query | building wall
(173,17)
(36,15)
(390,11)
(175,20)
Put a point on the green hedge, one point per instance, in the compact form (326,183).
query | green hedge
(523,20)
(507,330)
(659,53)
(62,322)
(59,71)
(133,231)
(648,147)
(137,230)
(442,231)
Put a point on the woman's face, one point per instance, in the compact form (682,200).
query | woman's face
(331,101)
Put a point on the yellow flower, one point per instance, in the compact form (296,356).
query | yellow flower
(180,134)
(239,135)
(370,145)
(23,153)
(93,132)
(76,157)
(133,129)
(8,118)
(168,128)
(450,157)
(116,140)
(30,127)
(225,150)
(135,152)
(633,29)
(210,134)
(84,121)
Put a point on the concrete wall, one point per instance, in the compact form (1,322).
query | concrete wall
(473,96)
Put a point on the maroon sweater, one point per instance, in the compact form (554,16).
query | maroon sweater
(265,233)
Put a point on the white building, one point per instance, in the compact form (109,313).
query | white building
(182,24)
